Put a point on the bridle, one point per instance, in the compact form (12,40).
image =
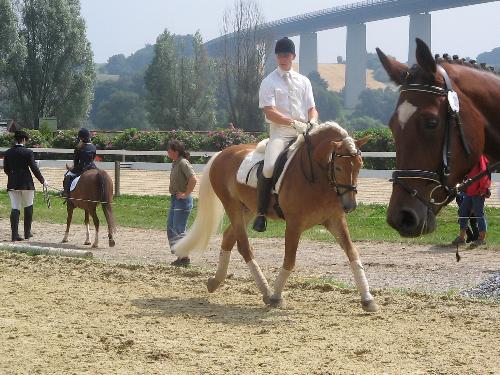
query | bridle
(332,178)
(440,178)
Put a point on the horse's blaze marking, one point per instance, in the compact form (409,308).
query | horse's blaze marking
(405,111)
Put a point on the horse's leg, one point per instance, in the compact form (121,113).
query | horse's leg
(238,223)
(95,219)
(108,214)
(69,217)
(228,241)
(339,229)
(292,236)
(87,228)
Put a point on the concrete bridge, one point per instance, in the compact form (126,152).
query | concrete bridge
(354,17)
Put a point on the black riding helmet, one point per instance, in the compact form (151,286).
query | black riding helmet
(84,135)
(284,45)
(19,135)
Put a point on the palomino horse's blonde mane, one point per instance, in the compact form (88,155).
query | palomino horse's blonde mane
(343,136)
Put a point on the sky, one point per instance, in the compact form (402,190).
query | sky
(124,26)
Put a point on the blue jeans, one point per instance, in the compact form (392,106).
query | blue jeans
(177,218)
(474,204)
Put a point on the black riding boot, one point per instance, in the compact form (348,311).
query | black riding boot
(28,219)
(14,224)
(264,195)
(66,185)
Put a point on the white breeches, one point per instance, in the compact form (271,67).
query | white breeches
(21,198)
(279,137)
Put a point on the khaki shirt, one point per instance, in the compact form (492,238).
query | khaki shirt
(181,172)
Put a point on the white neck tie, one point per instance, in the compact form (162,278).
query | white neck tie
(292,97)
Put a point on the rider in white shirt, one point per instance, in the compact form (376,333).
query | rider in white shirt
(286,98)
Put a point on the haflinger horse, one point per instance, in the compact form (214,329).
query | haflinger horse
(335,162)
(446,117)
(94,187)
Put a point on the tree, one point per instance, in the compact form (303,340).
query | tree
(123,110)
(180,94)
(53,68)
(242,64)
(378,104)
(328,103)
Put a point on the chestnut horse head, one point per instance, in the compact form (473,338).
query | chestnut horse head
(446,117)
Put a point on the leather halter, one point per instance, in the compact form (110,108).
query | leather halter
(440,178)
(332,179)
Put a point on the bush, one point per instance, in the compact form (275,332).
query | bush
(380,140)
(220,139)
(65,139)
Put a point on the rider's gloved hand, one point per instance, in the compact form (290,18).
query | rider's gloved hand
(300,126)
(314,122)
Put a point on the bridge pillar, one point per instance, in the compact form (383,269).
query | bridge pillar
(355,75)
(270,62)
(420,27)
(308,55)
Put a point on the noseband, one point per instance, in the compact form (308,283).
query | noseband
(332,179)
(439,178)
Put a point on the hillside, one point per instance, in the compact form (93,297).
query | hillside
(334,74)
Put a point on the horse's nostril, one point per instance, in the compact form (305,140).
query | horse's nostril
(408,219)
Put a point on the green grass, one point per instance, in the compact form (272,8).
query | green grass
(368,222)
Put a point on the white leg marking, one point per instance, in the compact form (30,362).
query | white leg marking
(361,283)
(405,111)
(87,239)
(259,278)
(96,239)
(224,257)
(280,282)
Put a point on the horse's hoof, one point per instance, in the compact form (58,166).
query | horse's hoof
(87,243)
(95,246)
(212,284)
(111,243)
(64,241)
(275,301)
(370,306)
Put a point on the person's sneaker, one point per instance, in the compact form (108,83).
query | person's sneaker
(477,243)
(458,241)
(181,262)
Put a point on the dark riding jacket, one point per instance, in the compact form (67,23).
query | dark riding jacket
(18,161)
(83,160)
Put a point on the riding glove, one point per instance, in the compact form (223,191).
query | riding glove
(300,126)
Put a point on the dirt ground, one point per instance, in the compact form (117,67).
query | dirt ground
(127,311)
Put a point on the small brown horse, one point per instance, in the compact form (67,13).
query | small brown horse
(446,117)
(335,164)
(95,186)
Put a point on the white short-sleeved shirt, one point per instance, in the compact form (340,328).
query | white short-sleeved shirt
(274,92)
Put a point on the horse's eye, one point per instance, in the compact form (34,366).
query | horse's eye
(338,169)
(432,123)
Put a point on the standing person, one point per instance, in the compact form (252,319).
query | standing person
(287,100)
(473,201)
(83,159)
(17,163)
(182,183)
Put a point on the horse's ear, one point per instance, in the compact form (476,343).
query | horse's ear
(425,58)
(322,152)
(362,141)
(396,70)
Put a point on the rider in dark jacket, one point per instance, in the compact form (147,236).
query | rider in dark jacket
(83,160)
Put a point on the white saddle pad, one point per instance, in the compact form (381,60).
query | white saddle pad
(248,169)
(73,183)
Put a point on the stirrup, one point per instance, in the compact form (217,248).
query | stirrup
(260,223)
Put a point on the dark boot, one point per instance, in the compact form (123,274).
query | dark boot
(66,185)
(14,225)
(264,195)
(28,219)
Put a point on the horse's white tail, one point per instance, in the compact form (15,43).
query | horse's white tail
(208,218)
